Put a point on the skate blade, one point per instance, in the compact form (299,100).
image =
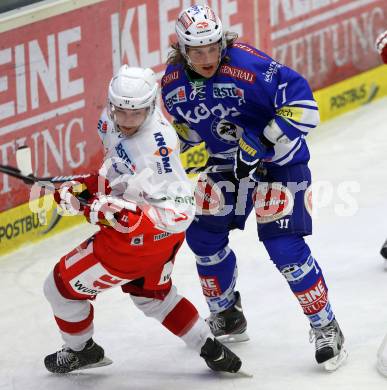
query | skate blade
(239,374)
(233,338)
(243,374)
(337,361)
(104,362)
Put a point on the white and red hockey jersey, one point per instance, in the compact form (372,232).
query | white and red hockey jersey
(145,169)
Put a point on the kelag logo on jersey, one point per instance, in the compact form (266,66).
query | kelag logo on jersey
(177,95)
(202,112)
(163,151)
(226,131)
(223,90)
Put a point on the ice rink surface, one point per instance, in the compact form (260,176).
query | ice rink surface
(349,163)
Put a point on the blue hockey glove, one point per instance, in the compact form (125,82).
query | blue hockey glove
(250,152)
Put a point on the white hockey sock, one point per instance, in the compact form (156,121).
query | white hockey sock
(197,335)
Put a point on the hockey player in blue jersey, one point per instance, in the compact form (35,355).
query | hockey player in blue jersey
(254,113)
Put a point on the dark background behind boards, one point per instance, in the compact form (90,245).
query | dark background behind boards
(8,5)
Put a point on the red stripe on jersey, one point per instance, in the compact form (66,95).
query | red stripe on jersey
(79,266)
(181,318)
(75,327)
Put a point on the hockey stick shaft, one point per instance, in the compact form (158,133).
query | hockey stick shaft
(209,169)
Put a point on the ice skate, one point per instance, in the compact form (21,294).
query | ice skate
(219,358)
(383,252)
(381,363)
(67,360)
(229,326)
(329,342)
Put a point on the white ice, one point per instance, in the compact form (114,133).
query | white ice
(348,155)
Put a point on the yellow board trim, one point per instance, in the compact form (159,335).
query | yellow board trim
(352,93)
(21,225)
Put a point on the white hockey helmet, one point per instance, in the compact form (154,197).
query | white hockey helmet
(133,88)
(198,26)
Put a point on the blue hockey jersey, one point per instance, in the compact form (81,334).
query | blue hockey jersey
(249,93)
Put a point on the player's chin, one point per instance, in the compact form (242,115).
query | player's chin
(128,131)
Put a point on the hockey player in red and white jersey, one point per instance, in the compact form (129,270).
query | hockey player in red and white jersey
(143,202)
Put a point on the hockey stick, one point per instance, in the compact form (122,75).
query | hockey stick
(24,169)
(24,172)
(209,169)
(221,168)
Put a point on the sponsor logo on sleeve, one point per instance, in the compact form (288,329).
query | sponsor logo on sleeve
(238,73)
(293,113)
(272,71)
(102,126)
(248,49)
(169,78)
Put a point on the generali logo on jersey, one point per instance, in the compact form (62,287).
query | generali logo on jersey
(169,78)
(238,73)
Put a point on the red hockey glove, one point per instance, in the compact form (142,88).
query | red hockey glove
(69,194)
(110,211)
(381,46)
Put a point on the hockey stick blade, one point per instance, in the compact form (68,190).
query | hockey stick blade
(23,160)
(14,172)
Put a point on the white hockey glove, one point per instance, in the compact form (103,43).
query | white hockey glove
(66,198)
